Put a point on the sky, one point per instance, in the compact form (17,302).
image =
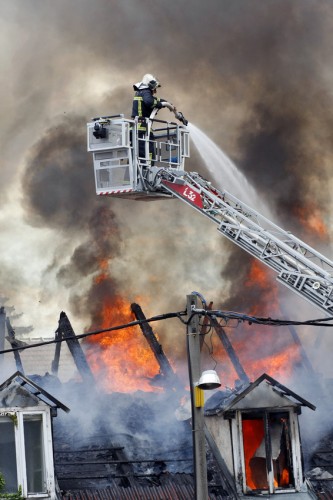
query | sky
(256,77)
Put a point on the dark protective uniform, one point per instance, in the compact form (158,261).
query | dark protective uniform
(144,103)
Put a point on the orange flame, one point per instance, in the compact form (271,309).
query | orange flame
(310,218)
(255,463)
(260,349)
(253,434)
(284,478)
(260,278)
(123,361)
(278,365)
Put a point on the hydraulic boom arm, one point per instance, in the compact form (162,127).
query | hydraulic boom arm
(299,266)
(130,165)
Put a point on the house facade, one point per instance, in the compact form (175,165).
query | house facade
(26,447)
(257,433)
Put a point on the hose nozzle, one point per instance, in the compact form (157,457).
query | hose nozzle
(179,115)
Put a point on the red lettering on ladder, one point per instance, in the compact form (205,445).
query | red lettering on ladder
(186,192)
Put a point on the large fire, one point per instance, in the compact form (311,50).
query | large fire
(124,362)
(260,282)
(279,365)
(121,359)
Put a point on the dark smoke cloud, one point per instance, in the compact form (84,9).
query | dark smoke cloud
(57,181)
(118,240)
(58,188)
(285,164)
(253,75)
(102,244)
(261,65)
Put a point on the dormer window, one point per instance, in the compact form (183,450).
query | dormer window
(26,449)
(259,436)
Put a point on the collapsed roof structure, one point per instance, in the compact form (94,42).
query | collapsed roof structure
(115,445)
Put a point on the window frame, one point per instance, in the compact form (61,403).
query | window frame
(47,447)
(295,450)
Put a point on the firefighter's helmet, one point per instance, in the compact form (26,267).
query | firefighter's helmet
(151,81)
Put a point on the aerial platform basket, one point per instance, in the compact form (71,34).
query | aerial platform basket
(117,143)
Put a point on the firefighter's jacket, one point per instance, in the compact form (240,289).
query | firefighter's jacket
(143,104)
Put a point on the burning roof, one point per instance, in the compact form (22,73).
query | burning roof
(263,392)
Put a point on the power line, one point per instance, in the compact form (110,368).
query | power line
(97,332)
(245,318)
(226,316)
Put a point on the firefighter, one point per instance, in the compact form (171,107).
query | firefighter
(144,102)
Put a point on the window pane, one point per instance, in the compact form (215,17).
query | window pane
(281,450)
(34,454)
(262,451)
(8,454)
(255,453)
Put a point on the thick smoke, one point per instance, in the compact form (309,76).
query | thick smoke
(110,239)
(253,76)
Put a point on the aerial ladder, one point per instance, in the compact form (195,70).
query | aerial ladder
(160,173)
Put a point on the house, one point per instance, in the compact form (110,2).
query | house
(26,443)
(119,445)
(254,428)
(257,431)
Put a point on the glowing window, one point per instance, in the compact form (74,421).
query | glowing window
(267,451)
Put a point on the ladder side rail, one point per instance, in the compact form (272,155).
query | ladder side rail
(268,246)
(236,232)
(323,302)
(295,271)
(241,218)
(304,281)
(251,239)
(275,253)
(262,221)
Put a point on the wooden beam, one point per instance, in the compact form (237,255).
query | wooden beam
(165,367)
(65,329)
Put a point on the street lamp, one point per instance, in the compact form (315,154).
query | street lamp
(209,380)
(198,383)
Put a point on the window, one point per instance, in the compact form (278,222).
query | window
(267,451)
(34,453)
(8,454)
(23,452)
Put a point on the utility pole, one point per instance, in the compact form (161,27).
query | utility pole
(197,401)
